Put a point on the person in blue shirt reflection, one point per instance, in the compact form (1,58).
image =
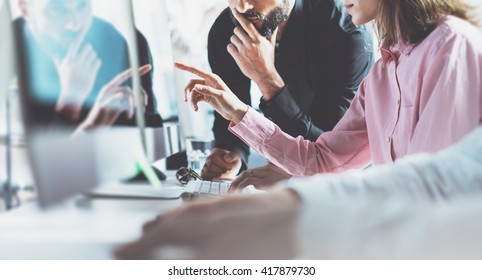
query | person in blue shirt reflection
(75,59)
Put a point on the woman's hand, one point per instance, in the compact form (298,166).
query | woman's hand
(262,177)
(212,90)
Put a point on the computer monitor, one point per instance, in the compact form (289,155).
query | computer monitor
(150,19)
(70,56)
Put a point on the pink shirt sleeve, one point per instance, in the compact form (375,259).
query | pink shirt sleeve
(451,96)
(343,148)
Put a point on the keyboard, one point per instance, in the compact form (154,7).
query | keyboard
(198,187)
(194,188)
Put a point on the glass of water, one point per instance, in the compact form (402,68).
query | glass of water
(196,151)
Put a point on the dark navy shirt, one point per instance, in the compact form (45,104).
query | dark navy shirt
(322,58)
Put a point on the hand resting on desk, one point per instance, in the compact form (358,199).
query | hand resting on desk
(221,164)
(235,227)
(262,177)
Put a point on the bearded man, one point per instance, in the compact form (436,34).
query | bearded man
(307,58)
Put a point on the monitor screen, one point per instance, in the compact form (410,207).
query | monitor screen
(80,64)
(151,22)
(73,54)
(150,17)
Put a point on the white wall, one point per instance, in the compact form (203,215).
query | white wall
(478,9)
(6,52)
(6,58)
(189,25)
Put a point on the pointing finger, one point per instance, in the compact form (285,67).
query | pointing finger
(124,76)
(194,70)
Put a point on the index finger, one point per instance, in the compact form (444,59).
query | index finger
(124,76)
(194,70)
(74,48)
(247,25)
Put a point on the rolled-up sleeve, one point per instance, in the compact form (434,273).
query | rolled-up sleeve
(343,148)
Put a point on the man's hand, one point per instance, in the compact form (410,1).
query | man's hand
(77,74)
(113,100)
(221,164)
(236,227)
(212,90)
(255,56)
(261,177)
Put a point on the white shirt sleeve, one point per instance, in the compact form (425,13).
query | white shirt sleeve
(388,211)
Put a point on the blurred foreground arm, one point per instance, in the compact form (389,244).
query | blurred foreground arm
(418,207)
(387,212)
(239,227)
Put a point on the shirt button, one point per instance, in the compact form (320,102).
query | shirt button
(389,140)
(398,102)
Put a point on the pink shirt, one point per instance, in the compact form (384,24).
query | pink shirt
(416,98)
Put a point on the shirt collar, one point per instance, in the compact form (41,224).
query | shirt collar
(395,51)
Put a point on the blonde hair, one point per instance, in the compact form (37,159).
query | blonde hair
(412,20)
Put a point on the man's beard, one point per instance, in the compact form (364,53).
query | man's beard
(270,21)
